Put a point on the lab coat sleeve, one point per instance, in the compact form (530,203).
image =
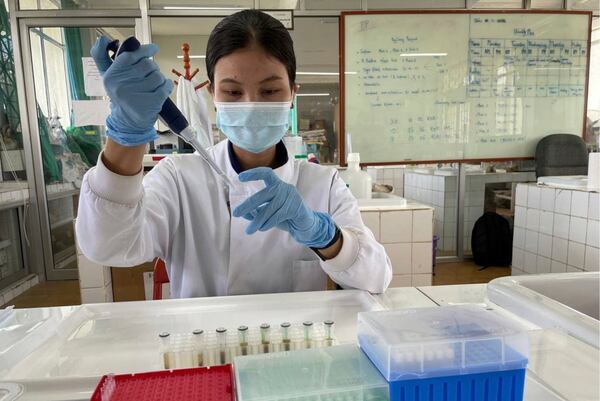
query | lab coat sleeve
(127,220)
(362,262)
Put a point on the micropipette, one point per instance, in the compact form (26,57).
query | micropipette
(171,115)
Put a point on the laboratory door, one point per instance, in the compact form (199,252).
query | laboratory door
(66,108)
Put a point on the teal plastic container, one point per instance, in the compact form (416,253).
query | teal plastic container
(339,373)
(462,352)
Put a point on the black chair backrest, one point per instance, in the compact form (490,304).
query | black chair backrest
(561,154)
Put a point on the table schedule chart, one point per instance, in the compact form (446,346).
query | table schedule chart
(526,68)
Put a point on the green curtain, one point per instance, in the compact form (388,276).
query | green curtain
(52,168)
(8,88)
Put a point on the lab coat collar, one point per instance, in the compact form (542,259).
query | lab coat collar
(287,172)
(281,156)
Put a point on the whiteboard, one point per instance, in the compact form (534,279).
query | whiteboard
(434,86)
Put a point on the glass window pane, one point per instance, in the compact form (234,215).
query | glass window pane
(316,47)
(592,5)
(547,4)
(49,5)
(28,4)
(57,86)
(78,4)
(201,5)
(494,4)
(54,33)
(332,4)
(11,260)
(279,4)
(38,72)
(400,4)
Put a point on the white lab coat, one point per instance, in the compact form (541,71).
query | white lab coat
(179,212)
(192,104)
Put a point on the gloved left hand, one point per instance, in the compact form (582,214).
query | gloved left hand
(137,91)
(280,205)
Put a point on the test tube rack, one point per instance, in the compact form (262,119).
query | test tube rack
(219,346)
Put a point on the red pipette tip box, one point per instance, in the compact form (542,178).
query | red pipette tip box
(207,384)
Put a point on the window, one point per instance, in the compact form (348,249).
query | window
(50,76)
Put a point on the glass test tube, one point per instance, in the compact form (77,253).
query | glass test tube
(165,345)
(198,357)
(285,336)
(222,345)
(308,328)
(243,339)
(329,326)
(265,337)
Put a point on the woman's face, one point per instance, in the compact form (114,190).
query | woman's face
(251,75)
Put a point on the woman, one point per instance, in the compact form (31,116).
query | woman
(284,225)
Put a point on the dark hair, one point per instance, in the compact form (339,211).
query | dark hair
(247,27)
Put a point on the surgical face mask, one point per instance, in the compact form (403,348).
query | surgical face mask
(253,126)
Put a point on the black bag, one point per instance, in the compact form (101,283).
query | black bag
(491,241)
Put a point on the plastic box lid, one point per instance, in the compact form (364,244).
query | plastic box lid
(442,341)
(321,373)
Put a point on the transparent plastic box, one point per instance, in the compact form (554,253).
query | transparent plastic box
(452,349)
(325,374)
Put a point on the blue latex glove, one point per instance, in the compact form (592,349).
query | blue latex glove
(280,205)
(137,91)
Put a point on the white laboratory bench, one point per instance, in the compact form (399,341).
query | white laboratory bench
(60,353)
(405,229)
(556,230)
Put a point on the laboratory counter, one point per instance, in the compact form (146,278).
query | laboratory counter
(60,353)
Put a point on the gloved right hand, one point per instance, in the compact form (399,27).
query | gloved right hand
(137,91)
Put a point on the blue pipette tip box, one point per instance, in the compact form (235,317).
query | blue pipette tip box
(461,352)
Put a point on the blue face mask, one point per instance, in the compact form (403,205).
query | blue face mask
(253,126)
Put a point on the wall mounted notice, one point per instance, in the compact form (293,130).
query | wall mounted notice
(455,86)
(92,81)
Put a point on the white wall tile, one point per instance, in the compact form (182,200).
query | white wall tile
(530,265)
(558,267)
(579,204)
(421,257)
(520,216)
(400,256)
(577,229)
(533,219)
(449,230)
(91,274)
(421,280)
(531,241)
(547,222)
(396,227)
(449,244)
(545,245)
(563,201)
(371,220)
(547,199)
(561,226)
(422,225)
(533,196)
(474,212)
(560,249)
(594,206)
(576,256)
(450,214)
(592,259)
(92,295)
(401,281)
(518,258)
(593,233)
(543,265)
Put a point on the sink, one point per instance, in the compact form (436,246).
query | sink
(567,301)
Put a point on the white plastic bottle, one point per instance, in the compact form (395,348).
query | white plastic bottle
(358,181)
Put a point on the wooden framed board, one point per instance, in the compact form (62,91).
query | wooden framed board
(460,85)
